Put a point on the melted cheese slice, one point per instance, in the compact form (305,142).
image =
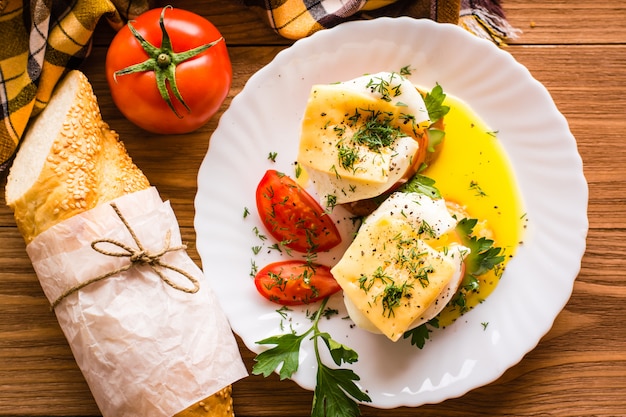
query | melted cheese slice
(396,275)
(348,170)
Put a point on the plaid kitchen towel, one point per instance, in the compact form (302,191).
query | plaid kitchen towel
(295,19)
(486,19)
(41,40)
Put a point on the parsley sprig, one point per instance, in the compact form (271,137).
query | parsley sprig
(434,103)
(484,256)
(436,111)
(421,334)
(336,393)
(422,185)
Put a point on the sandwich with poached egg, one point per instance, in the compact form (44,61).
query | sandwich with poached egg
(363,138)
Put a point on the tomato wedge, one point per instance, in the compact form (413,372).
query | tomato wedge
(292,216)
(295,282)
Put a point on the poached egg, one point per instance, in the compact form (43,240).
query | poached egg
(403,266)
(361,137)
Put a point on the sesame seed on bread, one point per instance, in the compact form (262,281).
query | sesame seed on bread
(69,161)
(219,404)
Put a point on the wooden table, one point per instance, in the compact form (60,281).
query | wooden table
(576,48)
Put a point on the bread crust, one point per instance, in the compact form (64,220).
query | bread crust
(219,404)
(86,165)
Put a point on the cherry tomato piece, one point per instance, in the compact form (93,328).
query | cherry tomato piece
(292,216)
(295,282)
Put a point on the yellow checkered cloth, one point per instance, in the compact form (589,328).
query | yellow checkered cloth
(295,19)
(40,41)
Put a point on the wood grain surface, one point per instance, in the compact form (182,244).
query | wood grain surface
(577,49)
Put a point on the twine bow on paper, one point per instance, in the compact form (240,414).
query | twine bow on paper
(137,256)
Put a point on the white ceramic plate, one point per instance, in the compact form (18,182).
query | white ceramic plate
(265,117)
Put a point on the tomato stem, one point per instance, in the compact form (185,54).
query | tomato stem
(163,61)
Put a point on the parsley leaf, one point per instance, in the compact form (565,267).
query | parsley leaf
(434,103)
(483,256)
(333,391)
(422,185)
(340,353)
(336,393)
(286,352)
(421,334)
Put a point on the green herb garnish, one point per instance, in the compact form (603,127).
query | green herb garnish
(331,202)
(479,191)
(348,157)
(434,103)
(422,185)
(377,132)
(336,393)
(392,297)
(482,258)
(253,268)
(421,334)
(384,87)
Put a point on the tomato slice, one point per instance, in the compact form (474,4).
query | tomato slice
(295,282)
(292,216)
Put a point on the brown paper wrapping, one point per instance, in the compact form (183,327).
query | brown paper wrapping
(144,347)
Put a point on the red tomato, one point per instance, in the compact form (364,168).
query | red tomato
(295,282)
(292,216)
(203,80)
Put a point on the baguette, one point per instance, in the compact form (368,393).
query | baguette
(69,162)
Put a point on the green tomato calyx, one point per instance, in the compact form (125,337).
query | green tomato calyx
(163,62)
